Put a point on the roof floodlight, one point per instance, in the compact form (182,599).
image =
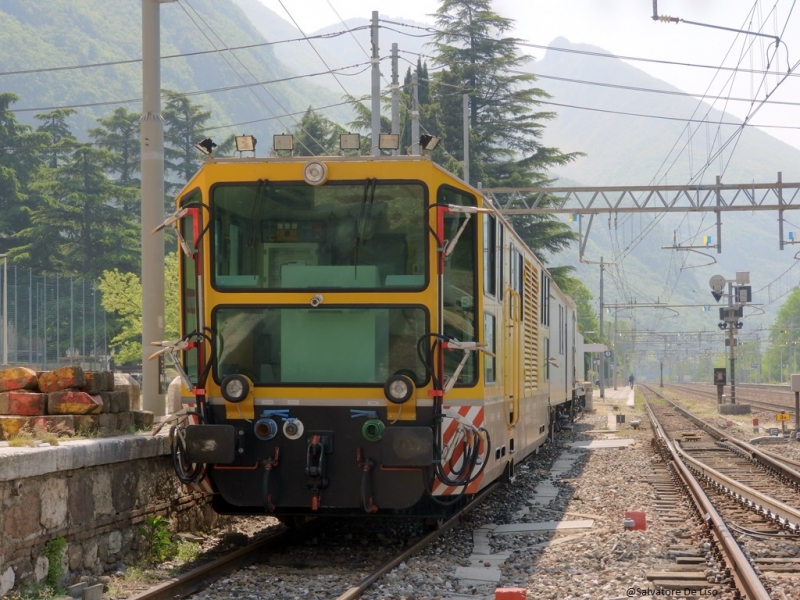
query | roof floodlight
(206,146)
(283,141)
(428,142)
(389,141)
(350,141)
(246,143)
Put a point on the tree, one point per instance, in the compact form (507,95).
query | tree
(504,115)
(580,294)
(782,357)
(363,122)
(427,110)
(185,126)
(78,230)
(20,159)
(55,124)
(122,299)
(316,136)
(119,134)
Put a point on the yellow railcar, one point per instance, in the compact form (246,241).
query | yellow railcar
(360,334)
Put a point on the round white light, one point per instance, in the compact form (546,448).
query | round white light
(398,388)
(315,173)
(235,388)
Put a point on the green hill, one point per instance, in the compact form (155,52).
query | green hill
(61,33)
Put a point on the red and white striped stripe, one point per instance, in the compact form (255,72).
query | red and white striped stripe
(474,415)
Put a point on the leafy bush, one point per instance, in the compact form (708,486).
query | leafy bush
(157,539)
(54,552)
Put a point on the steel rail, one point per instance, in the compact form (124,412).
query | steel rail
(773,507)
(202,576)
(743,572)
(740,400)
(196,579)
(358,590)
(769,460)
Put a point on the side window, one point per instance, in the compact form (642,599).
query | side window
(500,265)
(489,255)
(190,231)
(545,300)
(489,326)
(520,285)
(460,282)
(547,359)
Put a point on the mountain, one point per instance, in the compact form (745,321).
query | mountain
(629,150)
(73,35)
(339,49)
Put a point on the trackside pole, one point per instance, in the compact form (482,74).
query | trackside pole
(152,168)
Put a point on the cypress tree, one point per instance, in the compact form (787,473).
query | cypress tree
(506,121)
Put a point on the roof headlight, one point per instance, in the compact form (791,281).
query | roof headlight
(235,388)
(315,173)
(398,388)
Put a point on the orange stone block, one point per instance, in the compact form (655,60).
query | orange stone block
(61,423)
(22,403)
(18,378)
(10,426)
(95,381)
(73,402)
(86,423)
(61,379)
(509,594)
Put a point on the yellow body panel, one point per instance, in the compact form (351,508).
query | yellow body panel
(278,170)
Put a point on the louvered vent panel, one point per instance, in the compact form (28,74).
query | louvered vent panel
(531,325)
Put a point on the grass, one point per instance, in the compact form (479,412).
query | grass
(146,574)
(33,436)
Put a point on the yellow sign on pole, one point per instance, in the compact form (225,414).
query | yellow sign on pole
(783,417)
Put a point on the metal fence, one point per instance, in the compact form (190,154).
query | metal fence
(52,321)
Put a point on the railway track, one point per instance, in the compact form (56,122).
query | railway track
(309,549)
(749,499)
(783,403)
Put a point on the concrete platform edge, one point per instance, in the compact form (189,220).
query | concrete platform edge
(20,463)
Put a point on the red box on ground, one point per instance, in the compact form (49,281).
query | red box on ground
(509,594)
(639,520)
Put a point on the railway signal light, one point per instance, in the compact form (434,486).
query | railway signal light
(717,283)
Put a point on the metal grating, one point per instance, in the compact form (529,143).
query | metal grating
(530,305)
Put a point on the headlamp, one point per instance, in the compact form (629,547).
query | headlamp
(398,388)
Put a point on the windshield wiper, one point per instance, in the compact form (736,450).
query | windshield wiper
(364,217)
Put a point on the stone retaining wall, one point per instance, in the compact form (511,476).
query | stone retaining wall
(95,494)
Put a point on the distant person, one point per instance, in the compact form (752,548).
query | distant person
(630,380)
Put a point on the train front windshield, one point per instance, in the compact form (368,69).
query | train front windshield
(282,237)
(350,237)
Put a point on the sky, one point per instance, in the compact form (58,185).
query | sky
(625,27)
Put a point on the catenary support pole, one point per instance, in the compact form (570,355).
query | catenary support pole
(376,85)
(395,94)
(614,345)
(466,138)
(152,170)
(414,114)
(603,357)
(732,343)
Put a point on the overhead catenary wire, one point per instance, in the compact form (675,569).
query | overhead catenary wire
(132,61)
(707,164)
(247,70)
